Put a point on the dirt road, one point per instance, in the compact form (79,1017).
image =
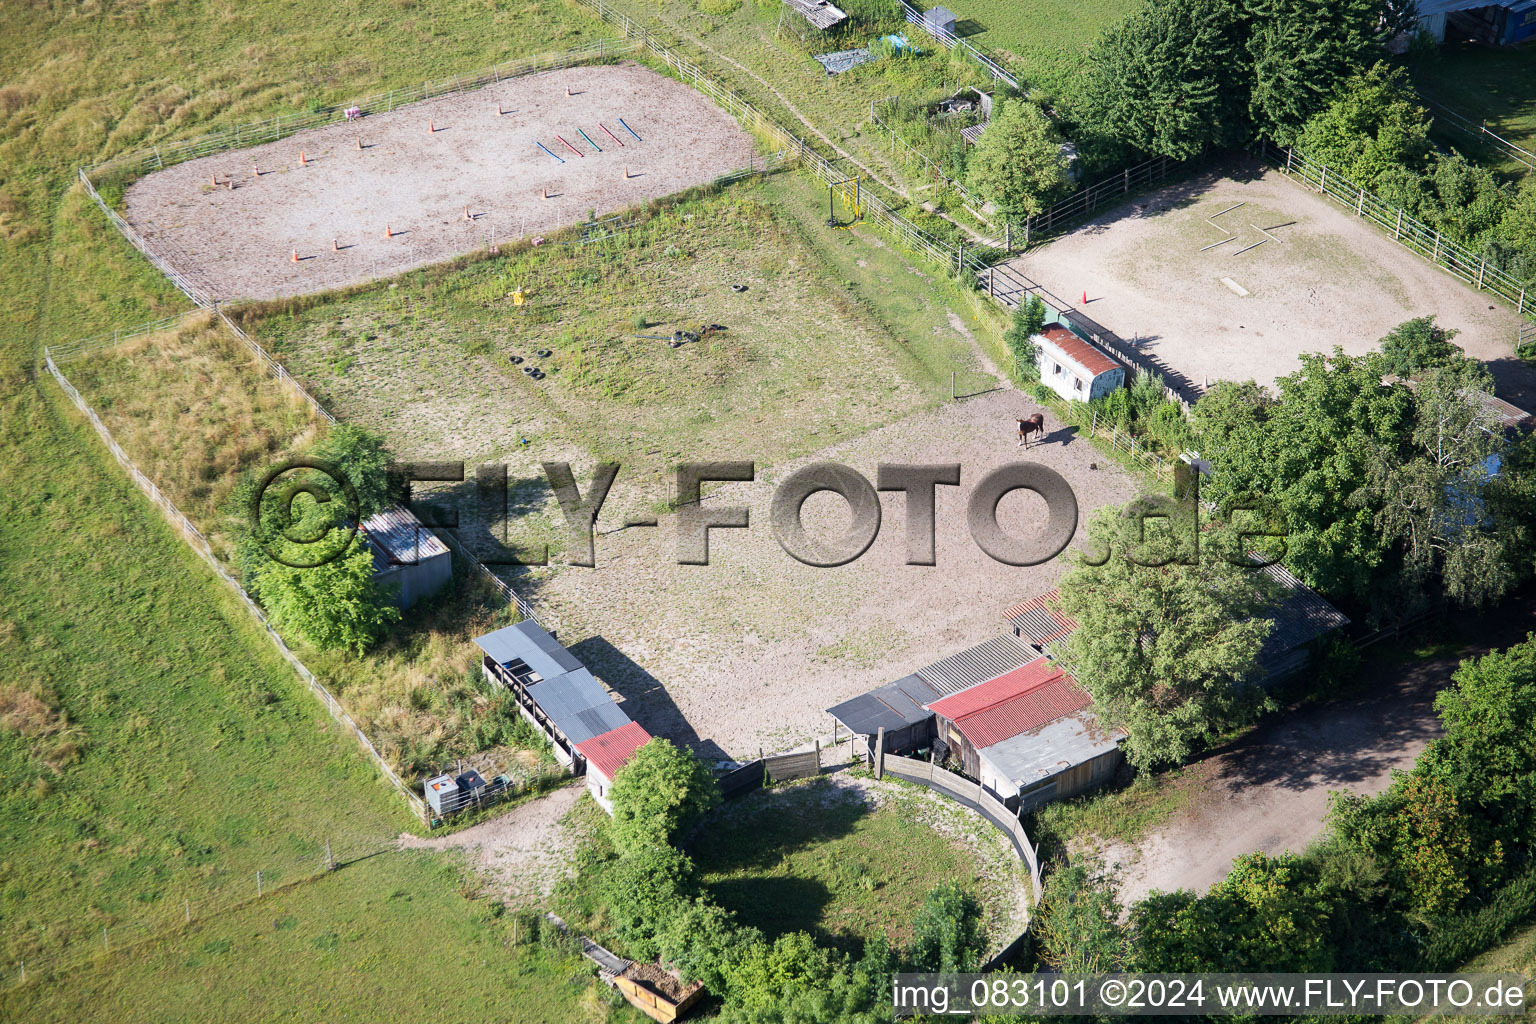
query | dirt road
(1269,790)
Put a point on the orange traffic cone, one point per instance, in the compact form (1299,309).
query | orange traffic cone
(1085,298)
(295,255)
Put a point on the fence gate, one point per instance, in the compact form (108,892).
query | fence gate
(783,767)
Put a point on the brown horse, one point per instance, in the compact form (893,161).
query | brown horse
(1034,425)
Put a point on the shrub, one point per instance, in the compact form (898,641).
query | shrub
(947,934)
(659,795)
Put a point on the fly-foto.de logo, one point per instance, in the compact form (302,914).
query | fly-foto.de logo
(293,538)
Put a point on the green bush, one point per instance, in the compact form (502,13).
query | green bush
(659,795)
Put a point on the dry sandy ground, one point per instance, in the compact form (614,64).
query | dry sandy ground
(1329,279)
(238,243)
(522,853)
(750,650)
(1270,790)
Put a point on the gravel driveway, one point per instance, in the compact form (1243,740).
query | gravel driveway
(1269,790)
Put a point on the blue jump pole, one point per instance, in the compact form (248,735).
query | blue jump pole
(630,130)
(545,148)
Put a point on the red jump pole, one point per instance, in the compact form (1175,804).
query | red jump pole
(612,136)
(572,148)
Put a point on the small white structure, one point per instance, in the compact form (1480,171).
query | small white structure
(407,555)
(1074,369)
(606,754)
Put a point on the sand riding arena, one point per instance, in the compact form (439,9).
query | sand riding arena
(385,193)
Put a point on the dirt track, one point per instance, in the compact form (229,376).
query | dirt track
(239,242)
(1325,278)
(749,650)
(1269,791)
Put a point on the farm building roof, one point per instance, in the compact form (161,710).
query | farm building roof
(1302,616)
(1092,361)
(818,12)
(972,134)
(1072,739)
(889,707)
(608,752)
(1511,417)
(987,660)
(578,705)
(1038,622)
(531,644)
(1015,702)
(399,539)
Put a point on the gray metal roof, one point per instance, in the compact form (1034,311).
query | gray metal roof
(529,643)
(1302,616)
(589,723)
(578,705)
(1054,747)
(987,660)
(890,707)
(399,539)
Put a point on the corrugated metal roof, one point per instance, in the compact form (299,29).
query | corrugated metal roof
(590,722)
(400,539)
(1067,741)
(889,707)
(1089,359)
(987,660)
(531,644)
(973,133)
(608,752)
(1041,705)
(569,693)
(1302,616)
(1038,622)
(1003,687)
(818,12)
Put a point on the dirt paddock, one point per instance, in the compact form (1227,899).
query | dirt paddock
(1323,278)
(751,649)
(416,183)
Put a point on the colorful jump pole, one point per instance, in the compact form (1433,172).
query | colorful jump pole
(545,148)
(589,141)
(630,130)
(572,148)
(612,136)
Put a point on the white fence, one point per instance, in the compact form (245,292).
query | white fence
(1411,234)
(1483,134)
(949,39)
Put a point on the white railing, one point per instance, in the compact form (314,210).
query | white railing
(949,39)
(1411,234)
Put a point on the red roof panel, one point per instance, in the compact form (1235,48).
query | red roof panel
(608,752)
(1039,620)
(1016,702)
(1079,351)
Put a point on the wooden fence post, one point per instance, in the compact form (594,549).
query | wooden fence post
(880,753)
(1481,267)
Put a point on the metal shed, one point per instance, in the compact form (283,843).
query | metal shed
(900,708)
(553,689)
(940,21)
(406,555)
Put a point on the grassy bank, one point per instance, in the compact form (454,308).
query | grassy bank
(387,939)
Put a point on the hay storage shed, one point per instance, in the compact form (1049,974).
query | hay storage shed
(406,555)
(606,754)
